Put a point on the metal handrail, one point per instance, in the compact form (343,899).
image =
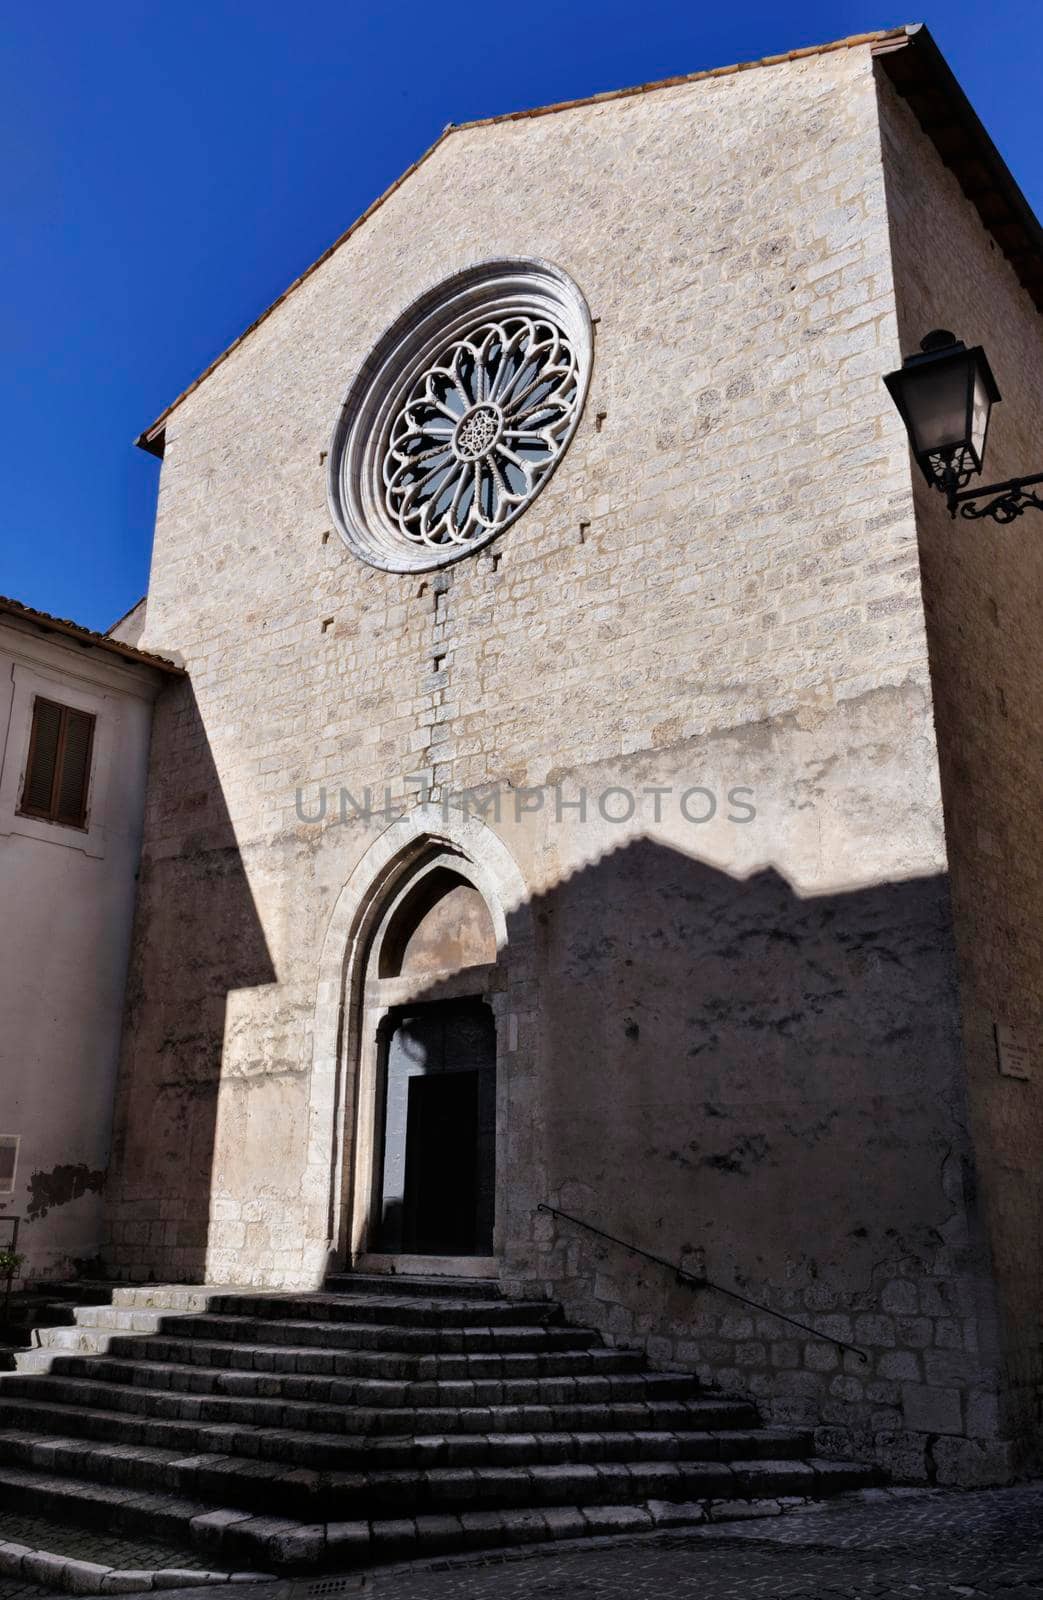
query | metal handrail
(701,1281)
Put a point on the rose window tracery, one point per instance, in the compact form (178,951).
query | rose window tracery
(460,416)
(479,430)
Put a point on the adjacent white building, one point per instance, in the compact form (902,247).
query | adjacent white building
(75,722)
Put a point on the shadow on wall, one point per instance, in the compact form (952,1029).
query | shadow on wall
(723,1064)
(691,1061)
(197,937)
(702,1063)
(781,1073)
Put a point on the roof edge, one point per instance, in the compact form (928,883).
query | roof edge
(152,438)
(112,628)
(925,80)
(86,636)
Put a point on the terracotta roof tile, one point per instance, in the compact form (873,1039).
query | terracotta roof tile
(73,630)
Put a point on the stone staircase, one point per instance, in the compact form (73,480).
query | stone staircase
(44,1305)
(381,1419)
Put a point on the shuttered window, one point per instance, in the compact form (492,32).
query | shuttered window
(59,767)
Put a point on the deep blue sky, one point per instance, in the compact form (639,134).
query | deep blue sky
(168,169)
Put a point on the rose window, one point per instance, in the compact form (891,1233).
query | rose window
(460,416)
(479,431)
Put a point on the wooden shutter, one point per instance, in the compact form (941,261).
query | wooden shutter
(58,770)
(8,1161)
(74,768)
(43,757)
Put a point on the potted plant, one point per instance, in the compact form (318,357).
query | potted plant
(10,1261)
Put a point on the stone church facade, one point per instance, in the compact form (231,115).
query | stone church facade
(661,846)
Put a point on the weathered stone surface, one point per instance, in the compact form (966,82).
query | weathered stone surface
(931,1410)
(981,595)
(319,1474)
(692,686)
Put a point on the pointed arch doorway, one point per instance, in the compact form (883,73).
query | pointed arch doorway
(424,1169)
(395,940)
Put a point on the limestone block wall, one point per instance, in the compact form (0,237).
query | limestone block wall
(983,600)
(734,1033)
(748,1059)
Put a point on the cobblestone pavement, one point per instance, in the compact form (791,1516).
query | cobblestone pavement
(89,1544)
(912,1546)
(15,1589)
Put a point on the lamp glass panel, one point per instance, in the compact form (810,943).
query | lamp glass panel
(936,406)
(981,406)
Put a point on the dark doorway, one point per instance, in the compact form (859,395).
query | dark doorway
(441,1142)
(438,1130)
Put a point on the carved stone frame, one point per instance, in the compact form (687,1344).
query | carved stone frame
(352,1002)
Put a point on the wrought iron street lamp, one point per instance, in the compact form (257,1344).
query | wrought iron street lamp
(945,395)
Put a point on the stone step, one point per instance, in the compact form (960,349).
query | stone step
(330,1336)
(240,1539)
(42,1552)
(247,1397)
(355,1334)
(322,1319)
(371,1420)
(52,1437)
(410,1366)
(83,1291)
(288,1433)
(287,1402)
(316,1496)
(373,1286)
(39,1313)
(399,1311)
(166,1296)
(42,1305)
(69,1293)
(402,1284)
(86,1504)
(448,1339)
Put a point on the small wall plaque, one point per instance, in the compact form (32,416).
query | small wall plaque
(8,1161)
(1012,1053)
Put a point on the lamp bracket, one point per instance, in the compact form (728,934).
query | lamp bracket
(1008,500)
